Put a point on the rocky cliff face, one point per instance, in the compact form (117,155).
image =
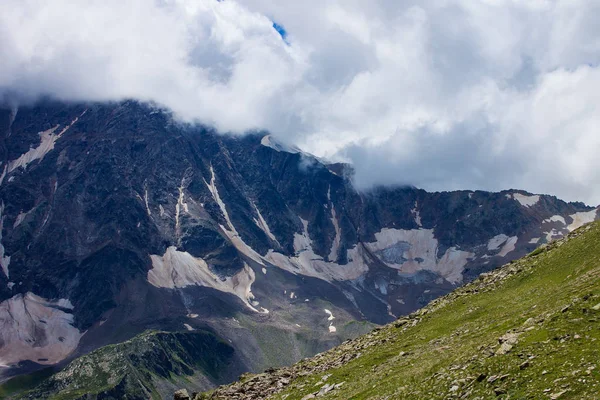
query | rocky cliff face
(116,218)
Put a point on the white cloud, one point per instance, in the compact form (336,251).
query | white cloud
(444,94)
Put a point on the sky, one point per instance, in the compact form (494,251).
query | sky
(440,94)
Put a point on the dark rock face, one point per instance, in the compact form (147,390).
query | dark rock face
(137,221)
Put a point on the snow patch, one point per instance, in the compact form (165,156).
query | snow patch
(330,318)
(581,218)
(178,269)
(526,201)
(496,242)
(264,271)
(268,141)
(36,329)
(419,249)
(556,218)
(534,240)
(507,243)
(382,287)
(188,327)
(508,246)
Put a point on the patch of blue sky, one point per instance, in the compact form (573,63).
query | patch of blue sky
(282,32)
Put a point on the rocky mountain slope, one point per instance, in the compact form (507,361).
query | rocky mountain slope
(150,365)
(527,330)
(116,219)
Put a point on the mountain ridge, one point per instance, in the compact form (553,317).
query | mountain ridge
(117,219)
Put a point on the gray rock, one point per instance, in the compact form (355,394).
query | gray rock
(181,394)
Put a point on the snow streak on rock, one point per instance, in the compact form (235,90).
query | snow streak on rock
(306,262)
(230,230)
(146,201)
(417,214)
(19,219)
(262,224)
(47,141)
(338,235)
(181,205)
(4,260)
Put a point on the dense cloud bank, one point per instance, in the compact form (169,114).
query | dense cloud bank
(443,94)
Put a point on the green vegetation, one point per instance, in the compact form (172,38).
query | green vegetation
(529,330)
(24,382)
(147,366)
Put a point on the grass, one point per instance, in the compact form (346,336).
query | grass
(548,299)
(24,382)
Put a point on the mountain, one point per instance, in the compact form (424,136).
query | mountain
(117,218)
(527,330)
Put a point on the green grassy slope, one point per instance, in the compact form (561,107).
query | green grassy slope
(530,330)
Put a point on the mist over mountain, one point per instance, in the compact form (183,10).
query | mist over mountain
(445,95)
